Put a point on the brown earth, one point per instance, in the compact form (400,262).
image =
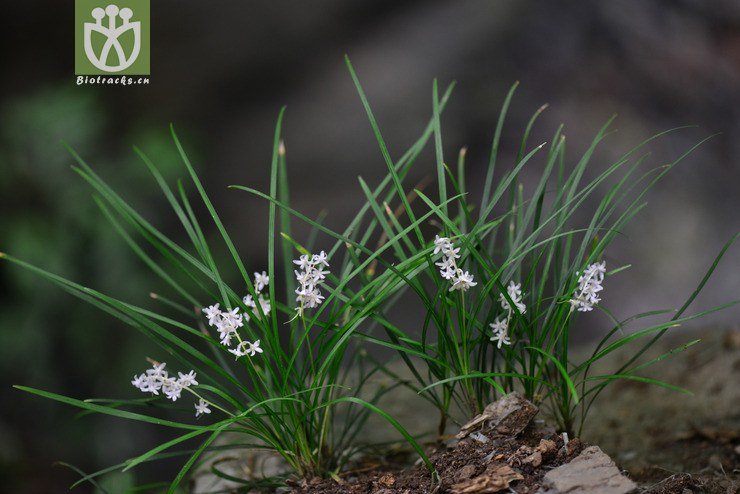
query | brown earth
(665,441)
(469,467)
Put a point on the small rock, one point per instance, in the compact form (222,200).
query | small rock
(546,446)
(571,449)
(524,450)
(248,464)
(533,456)
(591,471)
(465,473)
(481,438)
(509,415)
(535,459)
(386,480)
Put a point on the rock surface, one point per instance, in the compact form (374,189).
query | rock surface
(509,416)
(590,472)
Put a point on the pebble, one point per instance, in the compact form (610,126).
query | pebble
(589,472)
(508,415)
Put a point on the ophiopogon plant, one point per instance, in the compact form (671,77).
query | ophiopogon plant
(283,370)
(505,279)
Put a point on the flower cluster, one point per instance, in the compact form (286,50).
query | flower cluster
(310,277)
(228,322)
(157,379)
(460,280)
(589,286)
(500,327)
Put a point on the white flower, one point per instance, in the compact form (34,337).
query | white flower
(448,273)
(249,301)
(501,339)
(232,318)
(309,297)
(441,244)
(319,275)
(500,326)
(225,334)
(500,332)
(463,281)
(188,379)
(446,263)
(201,407)
(514,291)
(321,259)
(303,277)
(448,269)
(238,350)
(261,280)
(246,348)
(140,381)
(146,384)
(171,389)
(213,313)
(157,370)
(303,262)
(265,305)
(254,348)
(589,286)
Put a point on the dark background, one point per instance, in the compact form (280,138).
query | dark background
(222,70)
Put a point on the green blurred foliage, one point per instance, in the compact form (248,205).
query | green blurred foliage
(49,339)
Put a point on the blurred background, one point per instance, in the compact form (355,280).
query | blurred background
(220,73)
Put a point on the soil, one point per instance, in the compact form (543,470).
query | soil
(665,441)
(670,442)
(470,466)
